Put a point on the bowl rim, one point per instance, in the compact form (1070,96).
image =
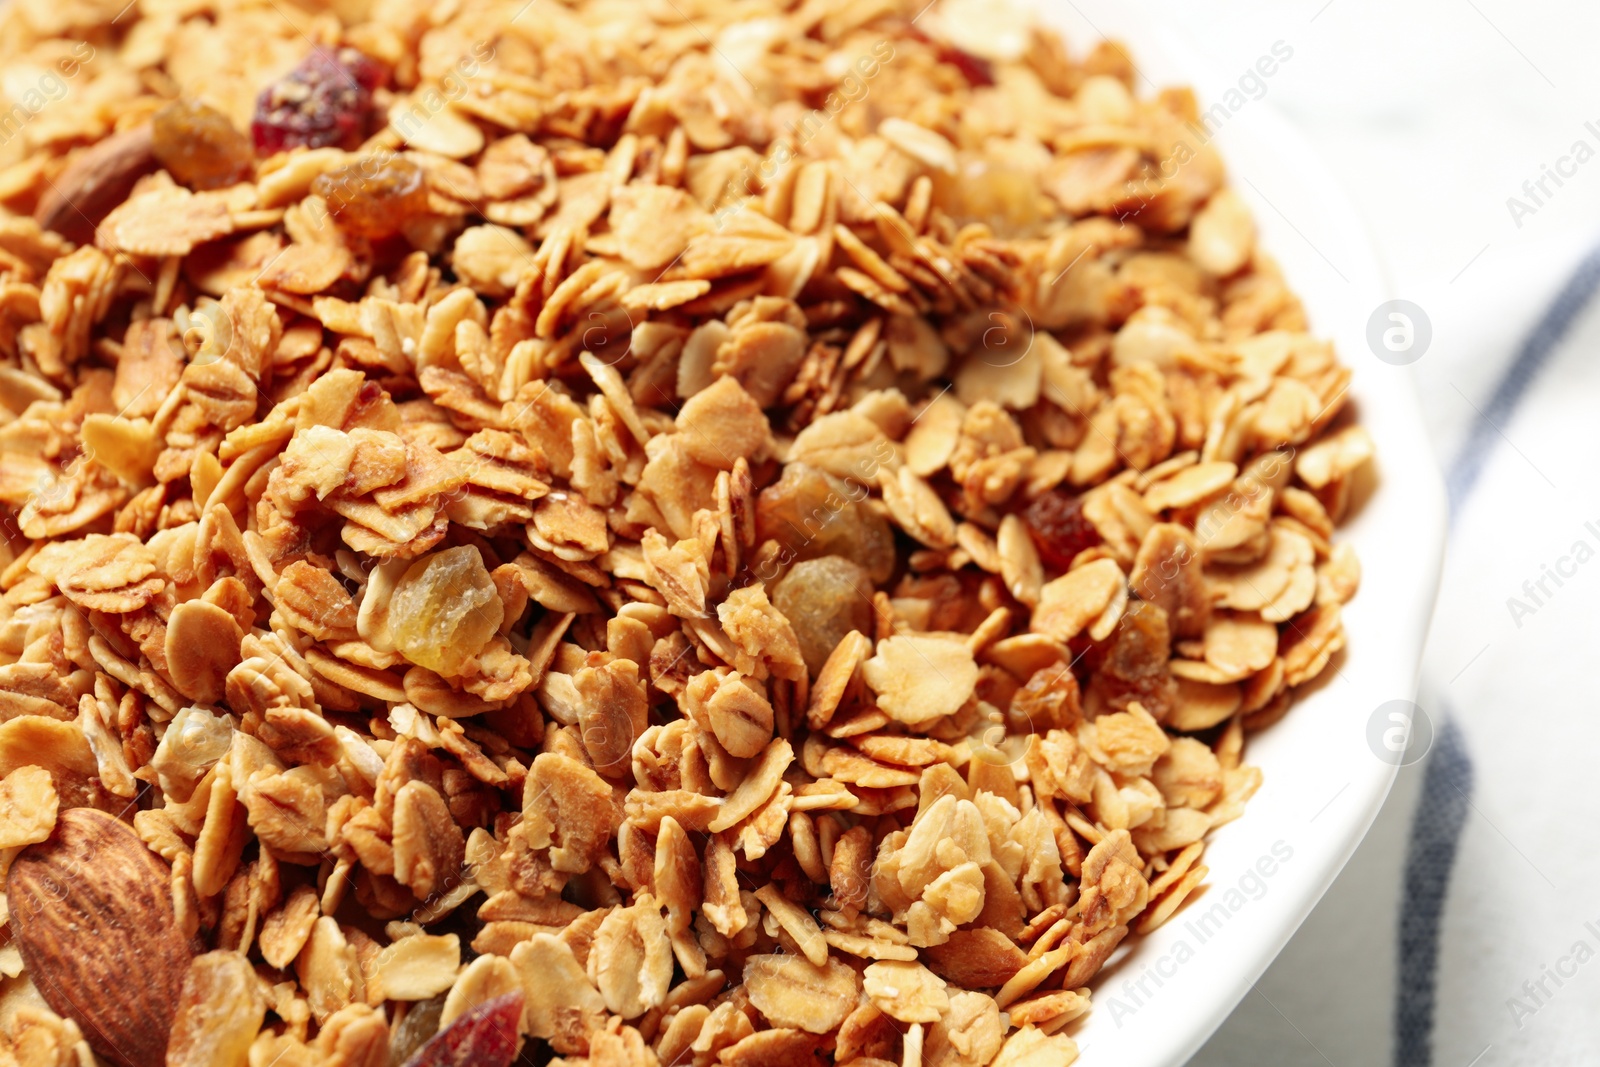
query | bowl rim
(1162,995)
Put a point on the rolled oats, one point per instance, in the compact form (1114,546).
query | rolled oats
(685,542)
(791,991)
(905,991)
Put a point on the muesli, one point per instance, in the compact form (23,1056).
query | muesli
(658,532)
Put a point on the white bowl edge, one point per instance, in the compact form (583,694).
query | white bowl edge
(1163,995)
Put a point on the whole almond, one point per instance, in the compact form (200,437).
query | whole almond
(98,178)
(92,911)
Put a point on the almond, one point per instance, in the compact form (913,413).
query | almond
(96,180)
(92,911)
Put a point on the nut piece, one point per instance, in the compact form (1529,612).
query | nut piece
(92,912)
(95,181)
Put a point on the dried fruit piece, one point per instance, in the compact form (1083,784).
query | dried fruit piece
(1135,665)
(812,513)
(420,1023)
(219,1015)
(486,1036)
(199,146)
(326,100)
(825,599)
(444,610)
(1059,528)
(375,195)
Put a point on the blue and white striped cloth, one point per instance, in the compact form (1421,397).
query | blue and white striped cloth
(1466,931)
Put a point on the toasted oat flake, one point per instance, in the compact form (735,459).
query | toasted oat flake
(919,679)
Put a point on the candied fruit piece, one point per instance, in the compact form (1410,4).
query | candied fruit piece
(326,100)
(811,514)
(824,599)
(199,146)
(444,610)
(1060,530)
(375,195)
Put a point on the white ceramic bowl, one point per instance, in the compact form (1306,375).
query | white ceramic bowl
(1161,996)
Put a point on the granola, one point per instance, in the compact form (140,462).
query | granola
(736,534)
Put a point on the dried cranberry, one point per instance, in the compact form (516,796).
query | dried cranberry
(368,72)
(484,1036)
(199,146)
(1059,528)
(375,195)
(977,70)
(326,100)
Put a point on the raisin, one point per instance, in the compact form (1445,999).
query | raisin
(326,100)
(198,146)
(420,1023)
(1049,701)
(375,195)
(1133,665)
(824,599)
(813,514)
(1059,528)
(445,608)
(484,1036)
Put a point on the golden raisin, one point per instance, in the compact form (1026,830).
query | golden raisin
(813,514)
(1134,663)
(375,195)
(198,146)
(824,599)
